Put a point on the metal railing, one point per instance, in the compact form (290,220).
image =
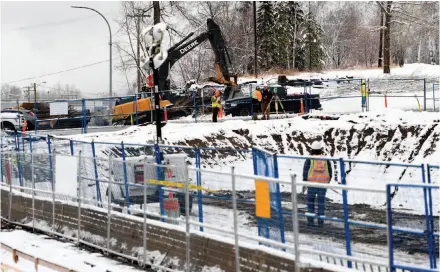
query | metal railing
(221,220)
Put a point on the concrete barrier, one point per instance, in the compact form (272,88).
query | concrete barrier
(165,243)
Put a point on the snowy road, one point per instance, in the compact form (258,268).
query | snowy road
(56,252)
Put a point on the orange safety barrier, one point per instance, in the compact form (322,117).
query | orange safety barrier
(24,127)
(302,105)
(165,115)
(386,101)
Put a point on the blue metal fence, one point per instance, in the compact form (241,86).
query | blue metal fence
(268,164)
(428,232)
(265,164)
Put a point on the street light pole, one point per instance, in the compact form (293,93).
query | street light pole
(110,44)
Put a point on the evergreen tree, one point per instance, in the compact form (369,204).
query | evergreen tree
(265,35)
(313,47)
(283,32)
(296,24)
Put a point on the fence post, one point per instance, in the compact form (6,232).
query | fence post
(428,208)
(71,147)
(431,217)
(127,192)
(424,94)
(109,202)
(295,223)
(234,207)
(33,191)
(17,151)
(78,238)
(278,199)
(159,173)
(144,237)
(10,190)
(50,159)
(199,184)
(345,204)
(83,113)
(98,189)
(53,194)
(187,231)
(368,94)
(195,106)
(390,230)
(1,157)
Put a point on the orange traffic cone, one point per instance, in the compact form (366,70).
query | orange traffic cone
(24,127)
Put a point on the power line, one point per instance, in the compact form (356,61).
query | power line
(62,71)
(68,21)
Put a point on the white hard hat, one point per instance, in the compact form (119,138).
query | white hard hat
(316,145)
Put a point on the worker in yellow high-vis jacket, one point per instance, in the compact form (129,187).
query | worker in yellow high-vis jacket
(216,104)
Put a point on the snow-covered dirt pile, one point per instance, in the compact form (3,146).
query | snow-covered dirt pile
(392,135)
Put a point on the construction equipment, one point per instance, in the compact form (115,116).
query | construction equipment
(143,105)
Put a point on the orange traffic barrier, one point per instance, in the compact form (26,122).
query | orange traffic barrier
(24,127)
(386,101)
(302,105)
(165,114)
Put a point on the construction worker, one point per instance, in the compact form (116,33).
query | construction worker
(256,102)
(216,103)
(316,171)
(266,99)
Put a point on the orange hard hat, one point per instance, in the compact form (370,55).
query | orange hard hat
(217,92)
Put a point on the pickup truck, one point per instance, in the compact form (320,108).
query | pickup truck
(12,119)
(240,104)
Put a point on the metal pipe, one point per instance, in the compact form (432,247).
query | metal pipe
(33,192)
(79,199)
(187,232)
(144,244)
(234,207)
(295,223)
(109,199)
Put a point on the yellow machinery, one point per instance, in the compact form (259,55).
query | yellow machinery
(145,106)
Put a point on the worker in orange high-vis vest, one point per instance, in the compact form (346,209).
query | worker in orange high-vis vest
(318,171)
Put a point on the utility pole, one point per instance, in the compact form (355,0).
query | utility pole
(255,38)
(139,15)
(35,93)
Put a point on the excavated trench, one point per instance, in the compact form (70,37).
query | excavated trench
(385,142)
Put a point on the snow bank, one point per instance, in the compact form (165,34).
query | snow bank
(64,254)
(415,70)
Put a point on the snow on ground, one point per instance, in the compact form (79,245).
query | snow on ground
(390,135)
(63,254)
(414,70)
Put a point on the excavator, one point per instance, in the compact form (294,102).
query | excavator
(124,110)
